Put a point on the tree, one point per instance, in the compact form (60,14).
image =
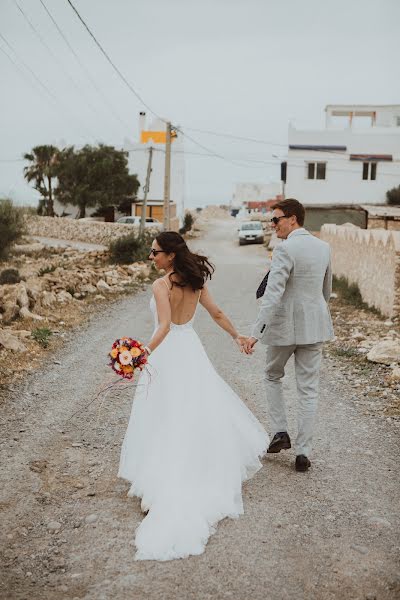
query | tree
(393,196)
(94,176)
(187,222)
(42,171)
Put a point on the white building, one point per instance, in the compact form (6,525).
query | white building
(254,192)
(154,135)
(354,160)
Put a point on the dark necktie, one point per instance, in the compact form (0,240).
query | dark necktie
(261,288)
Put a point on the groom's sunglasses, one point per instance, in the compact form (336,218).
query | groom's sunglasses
(277,219)
(155,252)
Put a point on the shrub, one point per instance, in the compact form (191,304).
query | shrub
(29,211)
(11,225)
(43,270)
(41,335)
(345,352)
(187,223)
(393,196)
(130,248)
(9,276)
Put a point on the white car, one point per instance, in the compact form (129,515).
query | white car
(251,232)
(149,223)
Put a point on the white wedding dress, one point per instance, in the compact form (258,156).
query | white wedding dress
(190,444)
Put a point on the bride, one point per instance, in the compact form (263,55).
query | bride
(191,441)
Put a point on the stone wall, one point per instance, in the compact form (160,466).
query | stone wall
(391,225)
(369,258)
(63,228)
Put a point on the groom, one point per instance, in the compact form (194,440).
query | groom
(294,319)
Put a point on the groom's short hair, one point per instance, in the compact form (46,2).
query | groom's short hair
(291,207)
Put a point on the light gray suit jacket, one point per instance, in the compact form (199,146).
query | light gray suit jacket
(294,309)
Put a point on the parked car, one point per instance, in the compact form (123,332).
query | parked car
(251,232)
(149,223)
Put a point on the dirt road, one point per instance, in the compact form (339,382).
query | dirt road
(67,525)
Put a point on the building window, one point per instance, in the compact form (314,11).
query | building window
(369,171)
(316,170)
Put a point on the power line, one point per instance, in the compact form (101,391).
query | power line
(27,67)
(236,137)
(57,61)
(136,94)
(208,150)
(262,163)
(33,74)
(139,97)
(82,65)
(121,76)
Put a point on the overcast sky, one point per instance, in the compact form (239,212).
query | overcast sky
(244,67)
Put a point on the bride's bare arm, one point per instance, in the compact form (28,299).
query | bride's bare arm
(161,297)
(217,314)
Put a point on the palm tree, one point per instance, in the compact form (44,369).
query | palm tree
(41,171)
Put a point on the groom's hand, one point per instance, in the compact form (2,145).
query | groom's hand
(241,341)
(249,345)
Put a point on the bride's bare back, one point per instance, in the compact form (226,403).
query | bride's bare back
(183,301)
(177,305)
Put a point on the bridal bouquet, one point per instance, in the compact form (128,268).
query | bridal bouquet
(127,355)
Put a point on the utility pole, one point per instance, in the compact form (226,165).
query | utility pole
(146,190)
(167,177)
(283,177)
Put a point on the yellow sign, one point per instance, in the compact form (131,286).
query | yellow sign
(157,137)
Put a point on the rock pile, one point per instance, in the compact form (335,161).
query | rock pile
(48,285)
(214,212)
(367,353)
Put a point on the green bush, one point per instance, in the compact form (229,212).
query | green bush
(393,196)
(130,248)
(29,211)
(11,225)
(187,223)
(10,276)
(43,270)
(41,335)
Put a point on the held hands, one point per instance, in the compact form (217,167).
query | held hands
(246,344)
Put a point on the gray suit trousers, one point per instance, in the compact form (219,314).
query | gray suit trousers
(307,360)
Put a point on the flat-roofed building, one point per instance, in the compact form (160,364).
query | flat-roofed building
(354,160)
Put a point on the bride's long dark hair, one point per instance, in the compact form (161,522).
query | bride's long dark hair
(192,269)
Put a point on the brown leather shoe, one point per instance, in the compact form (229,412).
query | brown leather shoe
(302,463)
(280,441)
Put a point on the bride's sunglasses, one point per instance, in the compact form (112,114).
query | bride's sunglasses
(276,220)
(155,252)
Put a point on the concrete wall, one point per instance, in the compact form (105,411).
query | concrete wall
(386,115)
(369,258)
